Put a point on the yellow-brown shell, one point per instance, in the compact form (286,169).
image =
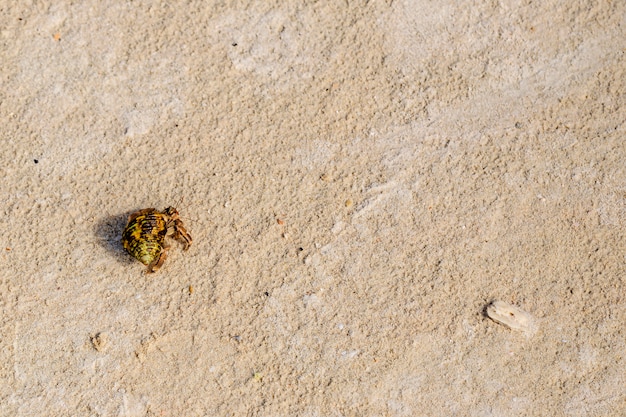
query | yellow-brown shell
(144,235)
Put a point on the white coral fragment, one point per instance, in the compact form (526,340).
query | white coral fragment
(512,317)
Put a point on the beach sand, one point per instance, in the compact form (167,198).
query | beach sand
(361,181)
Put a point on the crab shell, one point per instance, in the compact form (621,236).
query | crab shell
(145,233)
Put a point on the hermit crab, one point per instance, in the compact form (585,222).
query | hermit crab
(145,233)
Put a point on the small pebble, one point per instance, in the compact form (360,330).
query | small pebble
(99,341)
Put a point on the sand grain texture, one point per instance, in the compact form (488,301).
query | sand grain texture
(360,180)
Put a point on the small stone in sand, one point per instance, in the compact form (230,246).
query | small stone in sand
(511,316)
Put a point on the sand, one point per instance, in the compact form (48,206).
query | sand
(361,180)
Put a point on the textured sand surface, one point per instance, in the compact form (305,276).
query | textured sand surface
(361,180)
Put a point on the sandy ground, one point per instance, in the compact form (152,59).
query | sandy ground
(361,179)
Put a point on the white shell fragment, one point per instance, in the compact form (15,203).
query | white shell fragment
(512,317)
